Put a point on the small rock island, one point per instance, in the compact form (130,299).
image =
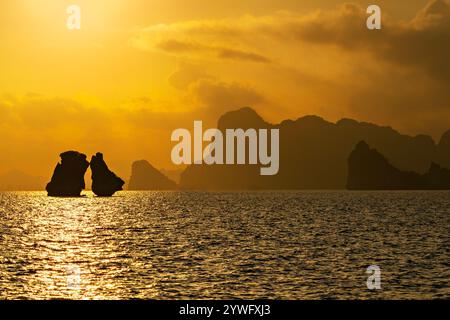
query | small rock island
(68,176)
(145,177)
(104,182)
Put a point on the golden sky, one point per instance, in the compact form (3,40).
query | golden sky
(139,69)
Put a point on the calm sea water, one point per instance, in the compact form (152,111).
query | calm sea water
(176,245)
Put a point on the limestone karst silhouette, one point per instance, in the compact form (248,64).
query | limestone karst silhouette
(145,177)
(68,176)
(104,182)
(314,154)
(368,169)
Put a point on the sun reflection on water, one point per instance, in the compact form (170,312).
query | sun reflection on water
(182,245)
(68,251)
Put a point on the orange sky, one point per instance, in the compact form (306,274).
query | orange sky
(139,69)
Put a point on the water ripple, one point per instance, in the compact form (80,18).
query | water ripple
(193,245)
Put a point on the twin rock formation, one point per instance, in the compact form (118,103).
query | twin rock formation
(68,176)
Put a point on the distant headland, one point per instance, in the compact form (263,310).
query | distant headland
(145,177)
(370,170)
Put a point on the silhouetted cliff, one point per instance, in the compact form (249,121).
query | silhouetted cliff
(104,182)
(370,170)
(443,150)
(313,154)
(173,174)
(145,177)
(68,176)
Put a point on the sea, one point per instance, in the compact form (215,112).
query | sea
(226,245)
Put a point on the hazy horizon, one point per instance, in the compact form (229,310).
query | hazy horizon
(20,180)
(19,176)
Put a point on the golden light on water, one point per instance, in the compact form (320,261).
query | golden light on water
(193,245)
(69,261)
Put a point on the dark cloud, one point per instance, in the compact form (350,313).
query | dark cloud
(186,74)
(211,95)
(177,46)
(232,54)
(422,43)
(222,96)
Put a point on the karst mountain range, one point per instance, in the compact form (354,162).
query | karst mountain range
(314,154)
